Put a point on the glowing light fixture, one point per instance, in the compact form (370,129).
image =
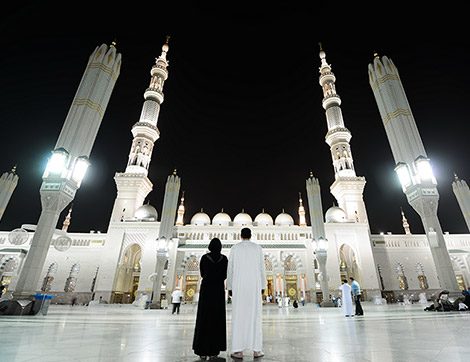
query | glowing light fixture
(404,175)
(57,164)
(424,169)
(80,168)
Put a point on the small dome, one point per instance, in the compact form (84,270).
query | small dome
(284,219)
(264,219)
(200,219)
(335,214)
(146,213)
(221,219)
(242,219)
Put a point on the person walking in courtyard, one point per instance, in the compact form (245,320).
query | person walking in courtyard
(210,336)
(356,292)
(246,282)
(176,299)
(346,298)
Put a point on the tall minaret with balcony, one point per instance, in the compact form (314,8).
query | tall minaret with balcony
(133,185)
(179,218)
(302,220)
(347,187)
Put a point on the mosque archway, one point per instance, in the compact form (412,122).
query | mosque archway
(460,270)
(348,266)
(128,275)
(270,264)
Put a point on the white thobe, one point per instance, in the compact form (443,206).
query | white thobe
(346,299)
(246,276)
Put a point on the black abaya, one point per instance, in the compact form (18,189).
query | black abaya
(210,335)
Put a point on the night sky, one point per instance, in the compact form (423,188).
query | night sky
(242,120)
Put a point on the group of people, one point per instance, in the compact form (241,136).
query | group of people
(442,303)
(348,293)
(245,273)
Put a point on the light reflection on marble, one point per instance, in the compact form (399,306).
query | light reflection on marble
(125,333)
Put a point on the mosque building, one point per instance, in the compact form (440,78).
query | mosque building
(122,264)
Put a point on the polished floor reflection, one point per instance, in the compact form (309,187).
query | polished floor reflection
(310,333)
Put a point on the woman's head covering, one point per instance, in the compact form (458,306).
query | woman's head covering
(215,246)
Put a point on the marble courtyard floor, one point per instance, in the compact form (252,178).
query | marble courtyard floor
(310,333)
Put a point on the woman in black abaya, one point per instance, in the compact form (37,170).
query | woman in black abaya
(210,335)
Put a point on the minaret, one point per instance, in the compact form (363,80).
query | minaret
(133,185)
(347,188)
(8,183)
(302,221)
(315,207)
(179,218)
(412,165)
(66,224)
(170,202)
(462,193)
(406,226)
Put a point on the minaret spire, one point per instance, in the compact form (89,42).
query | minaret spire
(347,187)
(302,221)
(68,218)
(133,185)
(404,221)
(179,218)
(338,135)
(145,131)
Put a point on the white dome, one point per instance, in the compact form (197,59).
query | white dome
(146,213)
(264,219)
(200,218)
(284,219)
(221,219)
(335,214)
(242,219)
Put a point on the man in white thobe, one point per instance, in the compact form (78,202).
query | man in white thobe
(246,282)
(346,299)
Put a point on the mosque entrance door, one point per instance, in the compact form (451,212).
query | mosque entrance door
(461,282)
(291,286)
(128,275)
(191,287)
(270,289)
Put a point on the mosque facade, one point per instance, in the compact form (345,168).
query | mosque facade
(121,265)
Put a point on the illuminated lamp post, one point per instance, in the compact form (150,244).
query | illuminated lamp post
(320,248)
(162,257)
(61,180)
(419,185)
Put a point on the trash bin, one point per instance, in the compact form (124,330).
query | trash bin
(44,300)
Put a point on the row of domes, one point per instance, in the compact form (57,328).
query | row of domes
(242,219)
(149,213)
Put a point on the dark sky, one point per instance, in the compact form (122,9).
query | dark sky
(242,119)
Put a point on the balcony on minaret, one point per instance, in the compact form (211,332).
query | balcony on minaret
(331,99)
(154,94)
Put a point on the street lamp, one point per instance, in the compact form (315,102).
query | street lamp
(61,180)
(162,256)
(320,248)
